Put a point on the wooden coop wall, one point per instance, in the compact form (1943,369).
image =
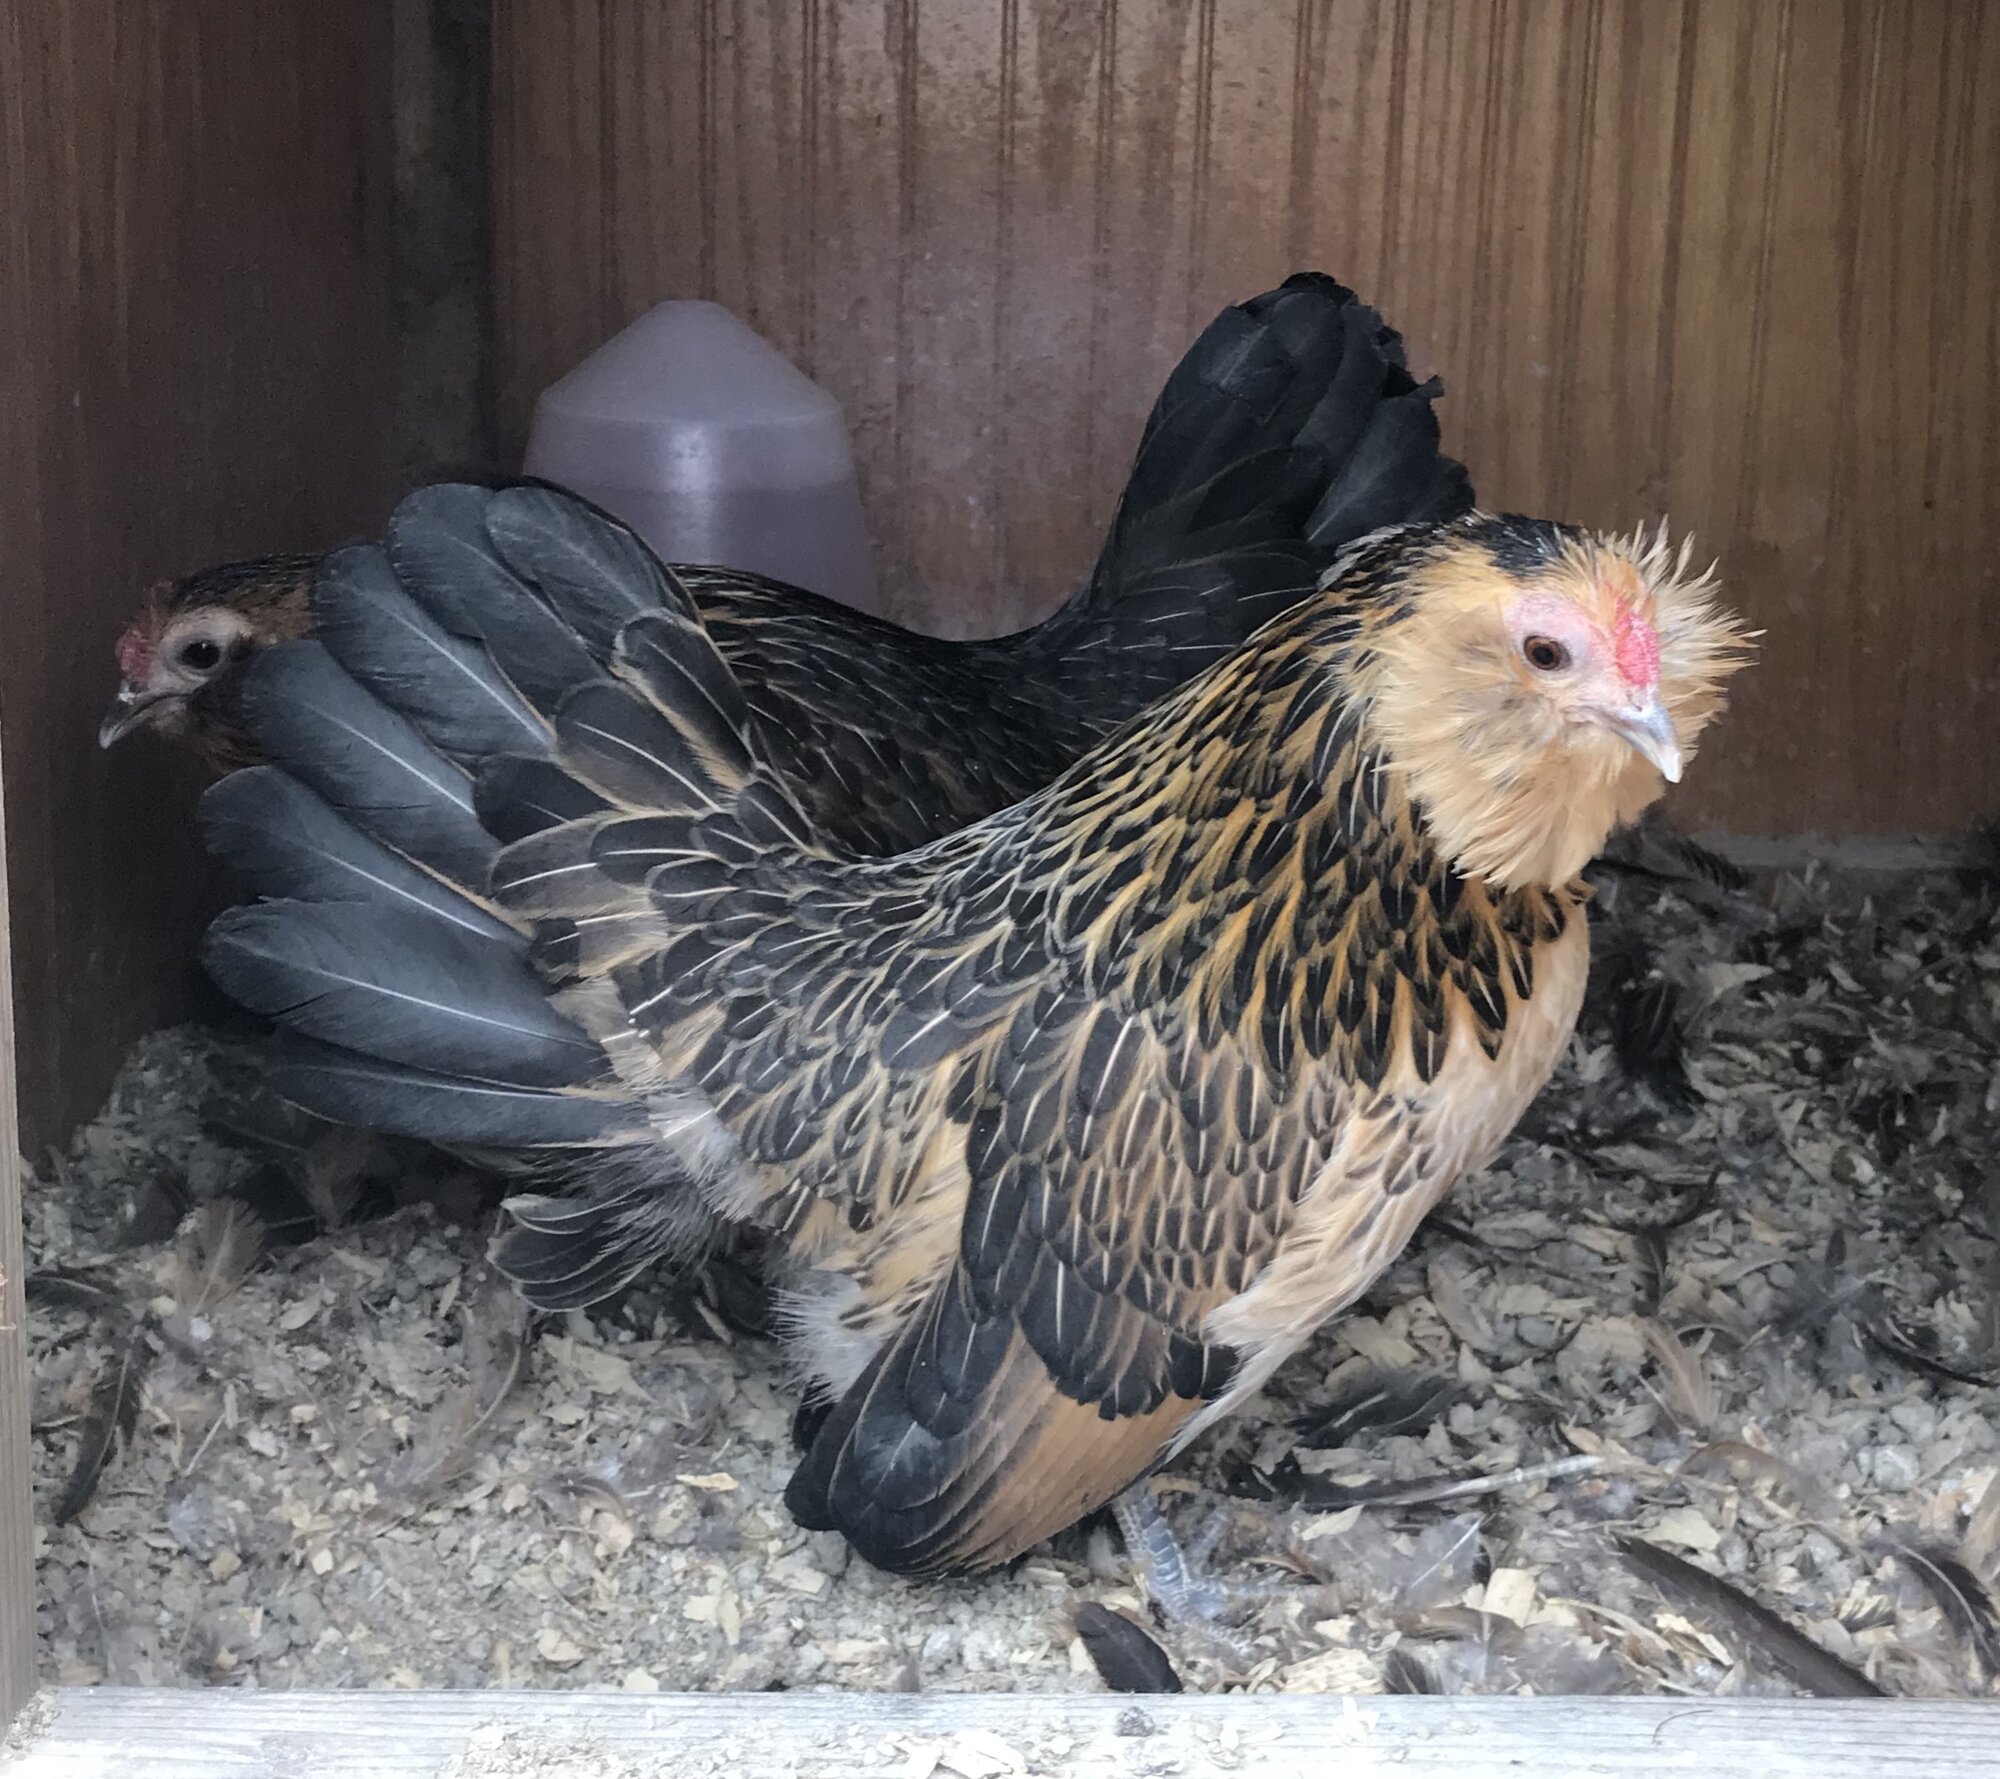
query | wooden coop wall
(1731,260)
(193,300)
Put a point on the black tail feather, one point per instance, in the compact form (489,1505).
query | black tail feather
(1290,429)
(1248,380)
(908,1454)
(1395,475)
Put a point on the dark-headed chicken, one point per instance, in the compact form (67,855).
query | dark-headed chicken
(1290,429)
(180,659)
(1066,1127)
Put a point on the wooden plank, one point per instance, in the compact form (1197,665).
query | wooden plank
(1732,260)
(194,291)
(441,239)
(551,115)
(17,1539)
(192,1734)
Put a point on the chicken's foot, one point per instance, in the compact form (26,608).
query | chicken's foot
(1175,1578)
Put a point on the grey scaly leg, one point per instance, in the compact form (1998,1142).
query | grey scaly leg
(1174,1577)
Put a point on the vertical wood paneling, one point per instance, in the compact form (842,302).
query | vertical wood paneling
(550,115)
(195,303)
(1731,260)
(441,237)
(17,1507)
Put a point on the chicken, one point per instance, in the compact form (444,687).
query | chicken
(1289,430)
(1068,1126)
(179,659)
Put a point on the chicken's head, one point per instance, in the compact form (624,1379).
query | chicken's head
(1540,684)
(179,659)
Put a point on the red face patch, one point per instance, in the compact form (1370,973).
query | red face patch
(1638,649)
(135,655)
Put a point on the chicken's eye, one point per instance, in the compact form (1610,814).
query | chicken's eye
(200,655)
(1545,654)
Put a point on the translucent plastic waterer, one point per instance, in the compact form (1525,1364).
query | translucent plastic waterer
(714,447)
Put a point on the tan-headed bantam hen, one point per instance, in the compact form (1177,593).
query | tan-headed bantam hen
(1069,1126)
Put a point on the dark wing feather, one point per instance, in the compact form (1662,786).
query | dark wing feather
(590,569)
(288,841)
(438,543)
(398,980)
(569,1253)
(626,747)
(670,655)
(453,1110)
(448,687)
(367,762)
(516,797)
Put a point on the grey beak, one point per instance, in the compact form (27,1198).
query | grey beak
(1645,724)
(127,712)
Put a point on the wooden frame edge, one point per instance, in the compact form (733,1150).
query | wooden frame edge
(17,1537)
(193,1733)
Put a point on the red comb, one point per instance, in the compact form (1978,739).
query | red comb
(135,654)
(1638,649)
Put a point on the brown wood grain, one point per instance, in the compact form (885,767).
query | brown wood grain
(17,1511)
(1730,260)
(193,296)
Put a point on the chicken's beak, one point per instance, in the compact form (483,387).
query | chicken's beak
(128,712)
(1645,724)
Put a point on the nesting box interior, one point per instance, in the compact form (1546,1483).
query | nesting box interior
(1728,263)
